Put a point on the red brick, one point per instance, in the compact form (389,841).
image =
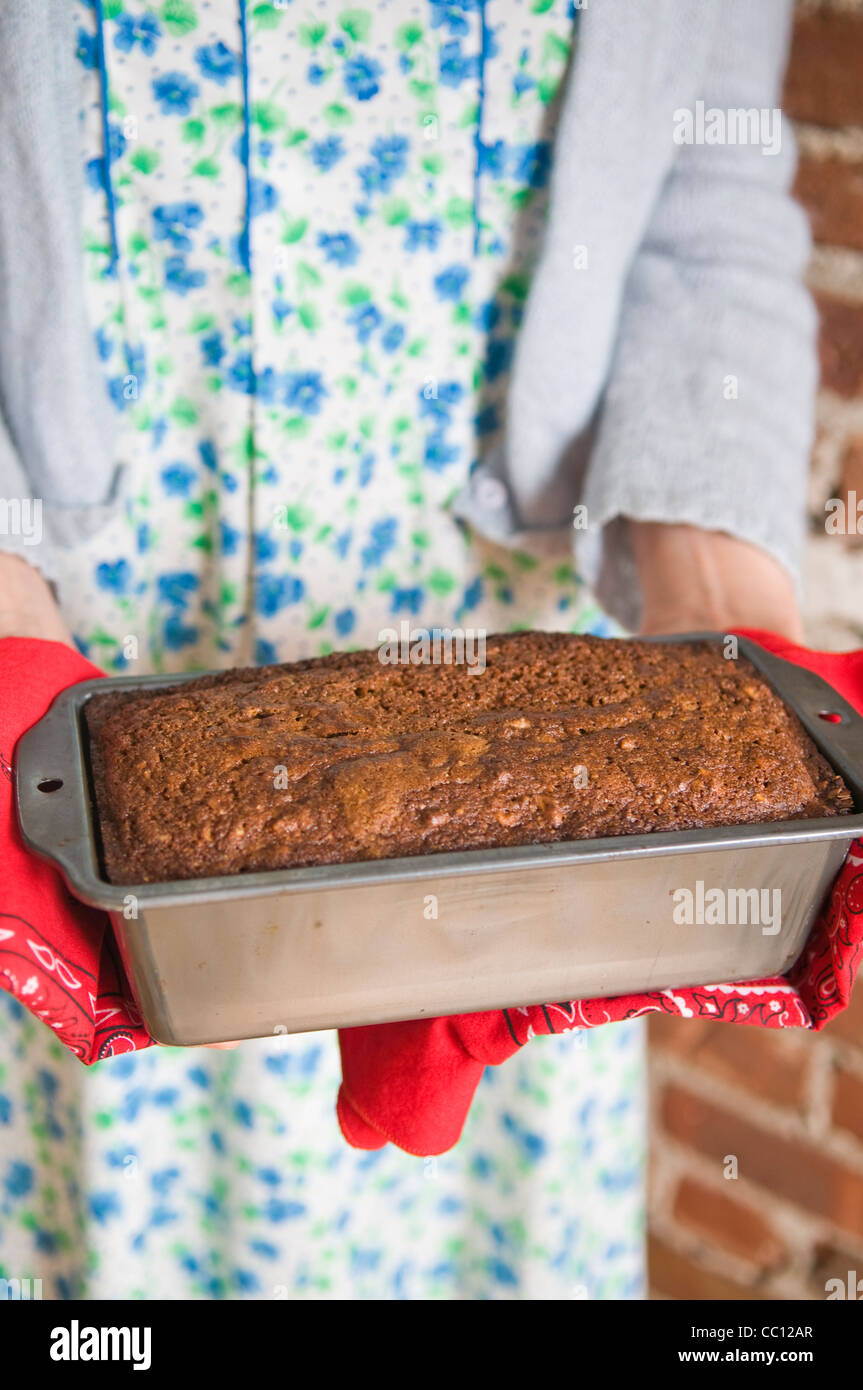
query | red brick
(831,190)
(823,83)
(791,1168)
(851,492)
(847,1027)
(848,1102)
(675,1276)
(667,1031)
(728,1223)
(833,1262)
(852,465)
(841,343)
(773,1065)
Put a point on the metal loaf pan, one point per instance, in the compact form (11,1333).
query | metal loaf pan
(298,949)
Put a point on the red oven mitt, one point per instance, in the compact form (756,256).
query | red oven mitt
(409,1082)
(57,957)
(412,1083)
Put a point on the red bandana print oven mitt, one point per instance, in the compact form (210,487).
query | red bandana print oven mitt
(409,1083)
(57,957)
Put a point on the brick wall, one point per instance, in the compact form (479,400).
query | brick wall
(788,1107)
(824,96)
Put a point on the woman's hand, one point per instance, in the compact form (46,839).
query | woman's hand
(28,609)
(694,580)
(27,606)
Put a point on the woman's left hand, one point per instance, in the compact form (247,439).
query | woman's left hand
(694,580)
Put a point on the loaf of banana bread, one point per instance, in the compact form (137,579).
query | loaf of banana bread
(344,758)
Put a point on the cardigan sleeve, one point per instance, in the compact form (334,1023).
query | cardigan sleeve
(22,520)
(708,411)
(56,422)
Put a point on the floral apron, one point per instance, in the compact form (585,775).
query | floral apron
(309,237)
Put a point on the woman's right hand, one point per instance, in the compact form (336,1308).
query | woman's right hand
(28,609)
(27,606)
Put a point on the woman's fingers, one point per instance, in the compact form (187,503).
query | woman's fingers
(27,605)
(693,579)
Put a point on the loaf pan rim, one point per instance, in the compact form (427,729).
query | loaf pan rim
(78,859)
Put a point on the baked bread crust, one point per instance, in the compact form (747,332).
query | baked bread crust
(343,758)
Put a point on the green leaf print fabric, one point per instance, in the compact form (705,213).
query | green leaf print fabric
(310,347)
(310,230)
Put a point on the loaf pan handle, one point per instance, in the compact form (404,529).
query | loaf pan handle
(52,793)
(812,698)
